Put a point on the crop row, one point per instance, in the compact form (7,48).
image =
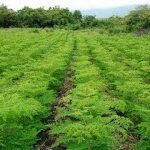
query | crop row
(109,106)
(89,119)
(28,85)
(127,71)
(105,104)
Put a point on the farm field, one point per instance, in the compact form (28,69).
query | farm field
(74,90)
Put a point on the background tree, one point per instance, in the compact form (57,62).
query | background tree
(7,17)
(90,21)
(139,19)
(77,15)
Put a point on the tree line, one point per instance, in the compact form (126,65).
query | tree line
(39,17)
(138,19)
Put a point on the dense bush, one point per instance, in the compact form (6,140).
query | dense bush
(138,19)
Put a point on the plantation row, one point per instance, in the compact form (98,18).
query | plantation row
(101,102)
(32,67)
(109,106)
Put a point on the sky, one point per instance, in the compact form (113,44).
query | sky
(71,4)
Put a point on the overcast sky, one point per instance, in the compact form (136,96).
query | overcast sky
(72,4)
